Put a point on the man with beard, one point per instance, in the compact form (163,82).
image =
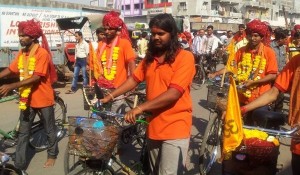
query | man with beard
(168,71)
(36,71)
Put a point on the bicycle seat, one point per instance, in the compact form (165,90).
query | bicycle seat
(268,119)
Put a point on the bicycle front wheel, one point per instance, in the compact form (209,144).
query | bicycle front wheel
(38,139)
(9,170)
(81,166)
(210,144)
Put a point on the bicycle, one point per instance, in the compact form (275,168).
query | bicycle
(38,139)
(212,139)
(6,168)
(80,158)
(137,131)
(206,63)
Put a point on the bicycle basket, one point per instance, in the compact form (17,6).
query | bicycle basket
(92,138)
(217,97)
(259,151)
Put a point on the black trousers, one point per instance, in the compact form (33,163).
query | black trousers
(26,119)
(295,164)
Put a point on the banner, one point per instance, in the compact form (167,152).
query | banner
(233,126)
(11,16)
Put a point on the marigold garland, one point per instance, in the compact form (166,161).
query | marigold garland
(110,72)
(24,74)
(247,69)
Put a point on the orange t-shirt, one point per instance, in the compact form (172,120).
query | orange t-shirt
(288,81)
(126,54)
(174,121)
(42,94)
(271,68)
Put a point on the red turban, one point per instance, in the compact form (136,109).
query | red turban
(257,26)
(297,27)
(31,28)
(113,20)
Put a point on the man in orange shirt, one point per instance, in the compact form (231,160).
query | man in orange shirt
(287,81)
(168,71)
(35,67)
(115,52)
(256,64)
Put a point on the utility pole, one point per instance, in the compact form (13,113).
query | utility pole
(285,17)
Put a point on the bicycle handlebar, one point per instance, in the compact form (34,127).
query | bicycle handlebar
(288,133)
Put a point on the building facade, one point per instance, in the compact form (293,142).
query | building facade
(223,14)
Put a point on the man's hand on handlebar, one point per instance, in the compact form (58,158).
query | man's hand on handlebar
(5,89)
(130,116)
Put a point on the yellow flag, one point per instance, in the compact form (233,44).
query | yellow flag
(233,127)
(231,57)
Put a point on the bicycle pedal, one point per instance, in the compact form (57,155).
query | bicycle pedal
(9,143)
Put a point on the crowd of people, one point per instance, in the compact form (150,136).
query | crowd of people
(262,60)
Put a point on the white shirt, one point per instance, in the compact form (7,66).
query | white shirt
(82,49)
(212,43)
(198,46)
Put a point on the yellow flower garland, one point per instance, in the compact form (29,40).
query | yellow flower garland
(247,69)
(110,72)
(25,90)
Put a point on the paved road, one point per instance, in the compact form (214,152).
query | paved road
(9,114)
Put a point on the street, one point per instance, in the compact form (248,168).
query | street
(9,113)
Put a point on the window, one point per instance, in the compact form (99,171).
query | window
(164,1)
(182,5)
(150,1)
(127,7)
(136,6)
(122,8)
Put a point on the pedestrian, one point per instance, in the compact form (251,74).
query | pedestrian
(223,38)
(278,45)
(168,71)
(294,46)
(93,60)
(287,81)
(142,45)
(35,68)
(81,55)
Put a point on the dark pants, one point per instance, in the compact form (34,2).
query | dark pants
(296,164)
(26,120)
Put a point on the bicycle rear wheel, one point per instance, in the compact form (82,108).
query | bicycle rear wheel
(38,139)
(9,170)
(199,78)
(210,145)
(79,166)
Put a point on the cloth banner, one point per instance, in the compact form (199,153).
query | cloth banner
(233,127)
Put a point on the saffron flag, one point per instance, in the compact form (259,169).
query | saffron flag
(233,127)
